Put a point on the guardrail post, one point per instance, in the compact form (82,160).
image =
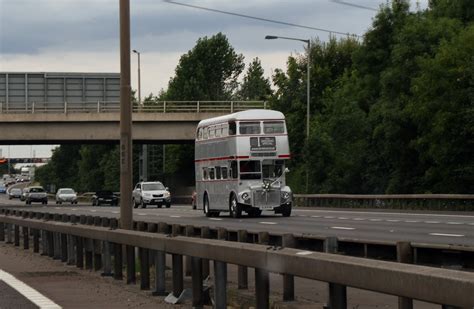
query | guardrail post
(220,274)
(65,107)
(51,243)
(70,244)
(262,279)
(160,266)
(164,106)
(106,252)
(35,240)
(17,235)
(79,252)
(9,233)
(288,241)
(205,233)
(26,238)
(177,260)
(404,255)
(64,247)
(197,106)
(33,107)
(98,106)
(2,231)
(337,292)
(198,295)
(144,257)
(131,275)
(231,106)
(44,243)
(264,104)
(242,275)
(187,261)
(97,247)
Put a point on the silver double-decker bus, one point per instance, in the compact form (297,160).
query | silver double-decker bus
(240,164)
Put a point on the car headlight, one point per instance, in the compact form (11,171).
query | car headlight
(285,195)
(167,194)
(245,196)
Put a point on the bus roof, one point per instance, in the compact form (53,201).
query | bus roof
(253,114)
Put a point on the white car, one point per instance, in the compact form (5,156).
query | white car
(66,195)
(151,193)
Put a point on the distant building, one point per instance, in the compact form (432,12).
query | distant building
(21,89)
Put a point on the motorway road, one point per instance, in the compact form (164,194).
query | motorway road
(440,228)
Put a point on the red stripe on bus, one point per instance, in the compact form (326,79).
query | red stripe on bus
(222,158)
(284,156)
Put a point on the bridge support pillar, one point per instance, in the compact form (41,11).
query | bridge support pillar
(9,233)
(205,233)
(131,275)
(177,261)
(88,253)
(64,247)
(337,292)
(35,240)
(118,261)
(17,235)
(79,252)
(51,243)
(26,238)
(189,233)
(160,267)
(2,231)
(262,279)
(220,284)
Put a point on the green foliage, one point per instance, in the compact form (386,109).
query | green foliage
(255,86)
(207,72)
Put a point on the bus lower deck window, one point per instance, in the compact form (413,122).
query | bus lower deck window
(250,170)
(224,172)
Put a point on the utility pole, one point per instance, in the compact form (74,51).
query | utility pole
(126,172)
(144,156)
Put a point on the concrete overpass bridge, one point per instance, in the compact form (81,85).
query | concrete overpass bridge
(98,122)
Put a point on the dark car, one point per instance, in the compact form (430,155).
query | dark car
(36,194)
(105,197)
(14,193)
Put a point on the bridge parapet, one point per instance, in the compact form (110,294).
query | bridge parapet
(114,107)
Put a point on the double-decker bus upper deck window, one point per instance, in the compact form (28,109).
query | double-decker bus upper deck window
(218,172)
(224,172)
(249,127)
(232,128)
(212,132)
(199,134)
(250,170)
(273,127)
(205,133)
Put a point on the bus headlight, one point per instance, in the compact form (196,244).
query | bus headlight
(245,196)
(285,196)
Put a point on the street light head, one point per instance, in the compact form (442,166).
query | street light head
(270,37)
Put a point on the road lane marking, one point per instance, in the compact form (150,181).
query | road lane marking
(115,212)
(342,228)
(454,223)
(411,221)
(142,214)
(73,208)
(359,219)
(384,213)
(175,216)
(342,218)
(216,219)
(328,217)
(92,210)
(267,222)
(393,220)
(447,235)
(375,220)
(431,222)
(31,294)
(315,216)
(304,253)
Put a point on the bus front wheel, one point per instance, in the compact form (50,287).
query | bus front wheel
(234,208)
(206,209)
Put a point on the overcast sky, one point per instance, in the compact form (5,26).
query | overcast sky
(82,35)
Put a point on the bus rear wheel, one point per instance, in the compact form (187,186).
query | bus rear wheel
(234,208)
(286,210)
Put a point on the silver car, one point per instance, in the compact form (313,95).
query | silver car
(36,194)
(66,195)
(151,193)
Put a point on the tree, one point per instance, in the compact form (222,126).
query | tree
(255,86)
(207,72)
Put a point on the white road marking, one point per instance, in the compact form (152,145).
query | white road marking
(215,219)
(375,220)
(393,220)
(175,216)
(454,223)
(31,294)
(304,253)
(471,223)
(115,212)
(342,218)
(57,207)
(267,222)
(359,219)
(431,222)
(92,210)
(328,217)
(411,221)
(141,214)
(315,216)
(73,208)
(447,235)
(342,228)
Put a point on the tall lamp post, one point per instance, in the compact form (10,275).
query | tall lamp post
(308,100)
(144,165)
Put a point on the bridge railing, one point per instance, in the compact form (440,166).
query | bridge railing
(113,107)
(96,243)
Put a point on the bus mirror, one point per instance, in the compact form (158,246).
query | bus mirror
(287,170)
